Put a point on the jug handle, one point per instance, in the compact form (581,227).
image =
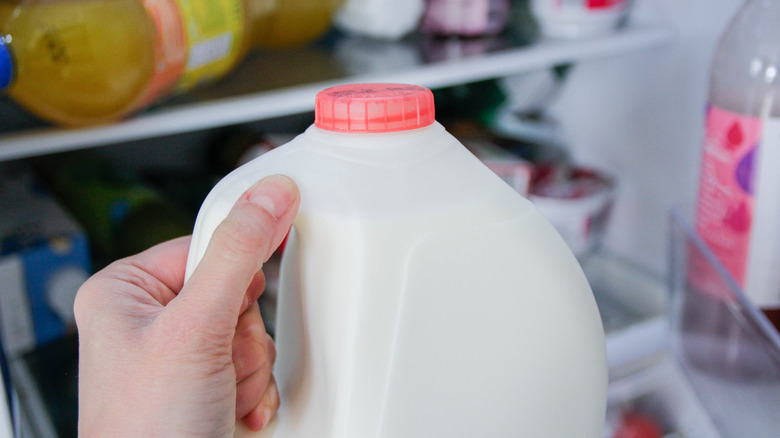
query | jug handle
(216,207)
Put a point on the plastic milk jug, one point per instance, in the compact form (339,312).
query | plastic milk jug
(420,296)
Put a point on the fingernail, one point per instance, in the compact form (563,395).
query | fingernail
(244,305)
(272,405)
(275,194)
(268,415)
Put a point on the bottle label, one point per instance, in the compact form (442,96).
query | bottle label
(196,41)
(590,5)
(738,207)
(596,5)
(170,52)
(215,29)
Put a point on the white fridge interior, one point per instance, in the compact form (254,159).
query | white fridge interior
(641,117)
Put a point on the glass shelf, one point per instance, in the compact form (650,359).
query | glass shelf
(280,83)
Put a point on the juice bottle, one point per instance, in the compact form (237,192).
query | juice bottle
(420,295)
(77,61)
(82,62)
(295,22)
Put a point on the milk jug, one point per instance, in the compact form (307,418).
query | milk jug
(420,296)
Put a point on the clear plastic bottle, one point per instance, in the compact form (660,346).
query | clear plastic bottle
(738,206)
(83,62)
(739,195)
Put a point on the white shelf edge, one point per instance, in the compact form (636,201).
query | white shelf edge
(643,292)
(637,341)
(298,99)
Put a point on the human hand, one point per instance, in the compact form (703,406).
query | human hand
(159,358)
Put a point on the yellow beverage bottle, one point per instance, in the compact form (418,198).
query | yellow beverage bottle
(84,62)
(295,22)
(77,61)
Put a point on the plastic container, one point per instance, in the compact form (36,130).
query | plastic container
(381,19)
(577,201)
(738,206)
(420,295)
(468,18)
(579,18)
(83,62)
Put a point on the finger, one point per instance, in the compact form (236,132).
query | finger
(149,279)
(249,392)
(262,414)
(253,292)
(252,230)
(158,271)
(165,261)
(252,347)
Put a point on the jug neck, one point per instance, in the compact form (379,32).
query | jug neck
(384,150)
(398,140)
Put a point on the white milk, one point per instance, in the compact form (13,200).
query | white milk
(421,296)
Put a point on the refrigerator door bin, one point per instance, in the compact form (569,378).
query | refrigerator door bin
(727,348)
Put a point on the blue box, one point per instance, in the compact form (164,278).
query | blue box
(44,259)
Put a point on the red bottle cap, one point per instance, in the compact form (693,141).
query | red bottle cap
(373,108)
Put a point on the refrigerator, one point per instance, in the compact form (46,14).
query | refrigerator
(631,104)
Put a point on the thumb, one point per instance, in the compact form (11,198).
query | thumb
(245,239)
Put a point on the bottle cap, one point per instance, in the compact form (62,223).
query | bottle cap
(6,65)
(373,108)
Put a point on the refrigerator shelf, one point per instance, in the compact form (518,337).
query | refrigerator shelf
(272,84)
